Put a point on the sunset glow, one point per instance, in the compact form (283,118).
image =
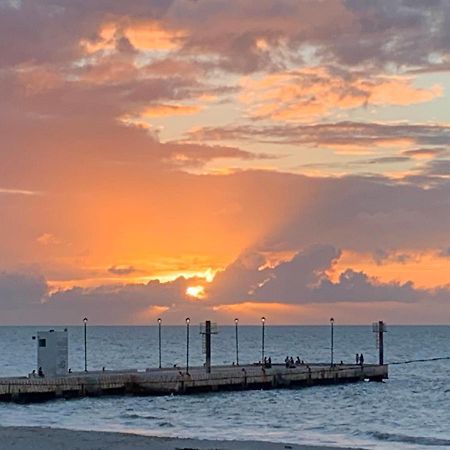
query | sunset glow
(281,158)
(196,291)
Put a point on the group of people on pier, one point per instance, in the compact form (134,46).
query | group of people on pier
(290,363)
(359,359)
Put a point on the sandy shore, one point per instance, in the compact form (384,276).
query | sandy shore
(33,438)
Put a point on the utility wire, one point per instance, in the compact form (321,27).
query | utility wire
(410,361)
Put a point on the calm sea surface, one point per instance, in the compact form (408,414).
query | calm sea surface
(410,410)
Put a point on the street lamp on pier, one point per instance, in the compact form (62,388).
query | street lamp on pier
(236,323)
(85,321)
(159,340)
(332,341)
(263,322)
(188,321)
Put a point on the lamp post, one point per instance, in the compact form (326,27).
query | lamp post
(332,340)
(159,340)
(85,321)
(188,320)
(263,322)
(236,322)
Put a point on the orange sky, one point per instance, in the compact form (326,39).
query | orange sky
(279,158)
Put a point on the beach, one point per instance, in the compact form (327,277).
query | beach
(37,438)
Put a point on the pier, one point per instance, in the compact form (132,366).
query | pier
(176,381)
(54,379)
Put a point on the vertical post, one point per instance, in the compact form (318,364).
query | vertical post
(208,346)
(85,320)
(332,341)
(188,320)
(381,342)
(236,322)
(159,340)
(263,321)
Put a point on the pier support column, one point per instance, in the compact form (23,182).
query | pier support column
(208,346)
(379,328)
(381,342)
(207,330)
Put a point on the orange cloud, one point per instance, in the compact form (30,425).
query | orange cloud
(156,111)
(313,92)
(426,268)
(151,35)
(165,110)
(148,35)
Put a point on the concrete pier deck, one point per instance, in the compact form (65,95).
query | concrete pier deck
(177,381)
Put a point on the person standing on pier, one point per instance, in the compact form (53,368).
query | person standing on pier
(357,358)
(361,359)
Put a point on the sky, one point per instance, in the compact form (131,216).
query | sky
(220,159)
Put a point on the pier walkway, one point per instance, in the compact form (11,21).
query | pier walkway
(177,381)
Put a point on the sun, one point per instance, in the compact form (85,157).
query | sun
(196,291)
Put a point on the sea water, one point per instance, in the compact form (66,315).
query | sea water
(410,410)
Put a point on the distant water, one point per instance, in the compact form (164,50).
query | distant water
(409,411)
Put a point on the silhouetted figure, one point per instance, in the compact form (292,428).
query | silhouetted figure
(70,370)
(291,362)
(286,361)
(361,359)
(357,358)
(40,372)
(297,361)
(103,368)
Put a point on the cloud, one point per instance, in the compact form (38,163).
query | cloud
(247,38)
(425,153)
(18,192)
(144,35)
(83,87)
(360,134)
(437,167)
(20,290)
(170,110)
(48,239)
(304,280)
(312,92)
(121,270)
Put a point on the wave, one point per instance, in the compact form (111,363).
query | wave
(419,440)
(139,416)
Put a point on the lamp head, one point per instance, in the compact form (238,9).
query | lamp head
(85,320)
(263,319)
(188,320)
(236,321)
(332,320)
(159,320)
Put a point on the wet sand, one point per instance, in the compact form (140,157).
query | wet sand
(36,438)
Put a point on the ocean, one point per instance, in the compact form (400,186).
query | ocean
(411,410)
